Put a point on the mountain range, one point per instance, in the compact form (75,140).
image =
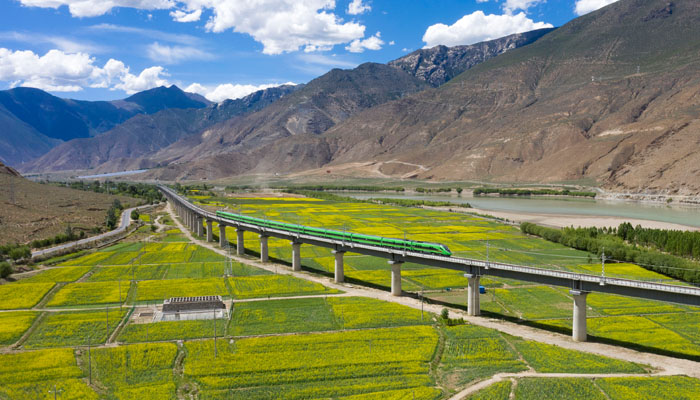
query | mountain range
(609,98)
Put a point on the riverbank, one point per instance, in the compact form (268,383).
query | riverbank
(563,220)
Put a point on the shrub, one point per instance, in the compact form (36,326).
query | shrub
(135,215)
(5,269)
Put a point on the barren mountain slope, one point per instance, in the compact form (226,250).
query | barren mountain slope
(570,106)
(235,146)
(131,144)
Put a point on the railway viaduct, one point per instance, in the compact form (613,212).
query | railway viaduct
(579,285)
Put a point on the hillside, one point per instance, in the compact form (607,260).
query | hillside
(571,106)
(35,121)
(439,64)
(30,210)
(259,141)
(131,144)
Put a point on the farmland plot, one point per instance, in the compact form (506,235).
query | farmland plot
(59,329)
(61,274)
(274,286)
(14,324)
(15,296)
(314,366)
(172,330)
(30,375)
(165,289)
(137,371)
(89,293)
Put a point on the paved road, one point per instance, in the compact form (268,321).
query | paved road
(123,225)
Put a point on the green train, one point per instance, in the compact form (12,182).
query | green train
(400,244)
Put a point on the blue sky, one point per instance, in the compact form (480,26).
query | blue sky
(107,49)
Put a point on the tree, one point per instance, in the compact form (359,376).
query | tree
(135,215)
(5,269)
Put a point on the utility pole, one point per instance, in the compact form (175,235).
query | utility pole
(89,360)
(55,391)
(488,247)
(215,352)
(421,304)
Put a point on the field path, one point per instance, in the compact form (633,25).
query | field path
(664,364)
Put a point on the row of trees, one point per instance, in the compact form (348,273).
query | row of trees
(68,236)
(113,214)
(597,240)
(531,192)
(680,243)
(145,191)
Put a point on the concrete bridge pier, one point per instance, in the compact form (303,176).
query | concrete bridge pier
(263,249)
(395,277)
(473,306)
(339,267)
(199,221)
(210,232)
(296,256)
(222,236)
(240,245)
(579,329)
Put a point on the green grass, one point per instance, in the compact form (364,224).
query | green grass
(274,286)
(61,329)
(60,274)
(89,293)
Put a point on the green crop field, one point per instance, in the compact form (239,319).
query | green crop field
(274,286)
(557,389)
(60,329)
(89,293)
(14,324)
(320,314)
(314,366)
(22,295)
(137,371)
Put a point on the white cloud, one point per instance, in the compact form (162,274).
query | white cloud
(511,6)
(175,54)
(586,6)
(226,91)
(61,43)
(371,43)
(280,25)
(149,33)
(147,79)
(392,43)
(181,16)
(94,8)
(71,72)
(478,27)
(356,7)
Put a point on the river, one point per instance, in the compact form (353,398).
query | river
(681,215)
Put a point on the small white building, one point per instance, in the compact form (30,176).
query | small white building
(191,308)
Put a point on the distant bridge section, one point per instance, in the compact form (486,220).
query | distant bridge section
(579,285)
